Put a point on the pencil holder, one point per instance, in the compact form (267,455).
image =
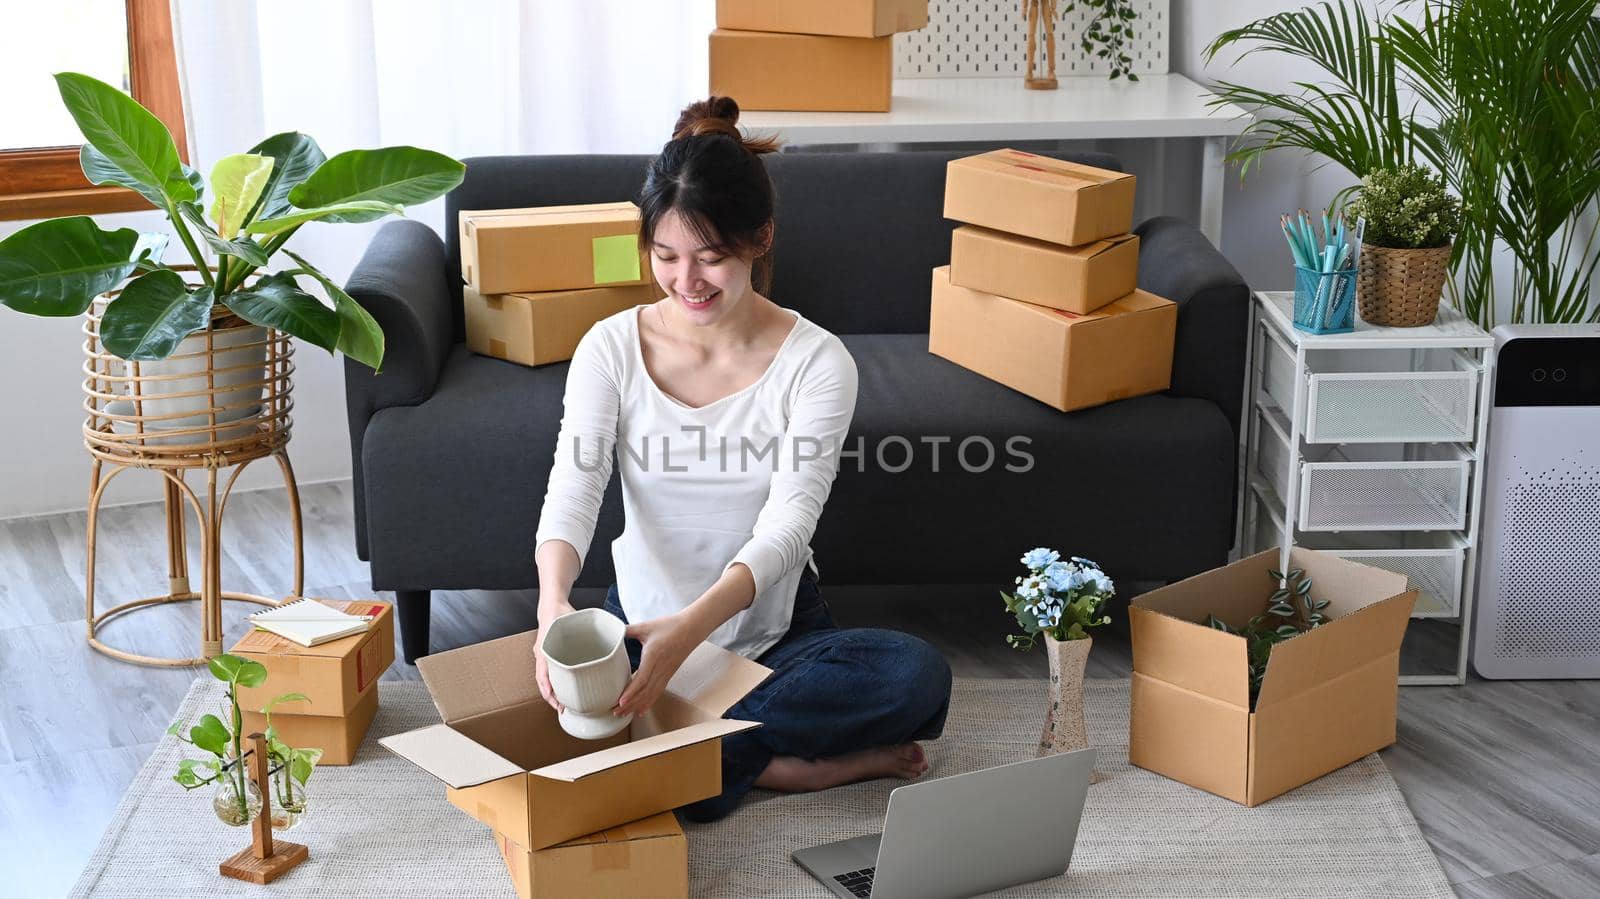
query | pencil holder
(1324,302)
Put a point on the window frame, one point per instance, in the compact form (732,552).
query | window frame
(40,183)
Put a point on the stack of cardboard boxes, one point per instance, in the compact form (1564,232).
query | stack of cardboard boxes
(339,680)
(537,279)
(1040,293)
(810,55)
(576,817)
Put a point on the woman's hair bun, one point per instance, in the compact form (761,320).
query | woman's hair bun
(718,115)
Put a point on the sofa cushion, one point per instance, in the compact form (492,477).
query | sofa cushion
(1143,486)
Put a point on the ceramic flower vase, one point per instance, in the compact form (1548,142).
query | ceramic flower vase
(1064,730)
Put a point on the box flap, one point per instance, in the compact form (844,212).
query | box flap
(595,762)
(1328,652)
(1346,584)
(480,678)
(1235,592)
(1042,169)
(713,679)
(1191,656)
(1083,251)
(450,756)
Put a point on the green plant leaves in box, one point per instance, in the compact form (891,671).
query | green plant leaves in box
(277,302)
(360,337)
(58,267)
(132,148)
(152,314)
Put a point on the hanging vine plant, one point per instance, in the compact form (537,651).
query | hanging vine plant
(1109,34)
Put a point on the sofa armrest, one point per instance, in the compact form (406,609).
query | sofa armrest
(1177,262)
(403,281)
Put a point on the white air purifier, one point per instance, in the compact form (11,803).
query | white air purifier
(1538,607)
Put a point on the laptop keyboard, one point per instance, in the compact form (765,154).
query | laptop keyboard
(859,883)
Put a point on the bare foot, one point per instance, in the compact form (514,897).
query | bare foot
(790,774)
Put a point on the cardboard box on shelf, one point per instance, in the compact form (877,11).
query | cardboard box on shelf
(1076,279)
(1328,698)
(552,248)
(805,72)
(641,858)
(506,761)
(1039,197)
(338,737)
(845,18)
(335,676)
(1066,360)
(536,328)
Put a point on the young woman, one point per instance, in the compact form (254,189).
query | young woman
(727,413)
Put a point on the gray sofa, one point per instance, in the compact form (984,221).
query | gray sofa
(451,451)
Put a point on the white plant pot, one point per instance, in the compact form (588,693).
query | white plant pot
(589,669)
(246,380)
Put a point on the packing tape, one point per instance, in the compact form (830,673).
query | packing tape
(610,856)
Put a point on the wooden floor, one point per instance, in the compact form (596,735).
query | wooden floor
(1504,777)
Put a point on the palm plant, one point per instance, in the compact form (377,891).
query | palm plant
(1504,102)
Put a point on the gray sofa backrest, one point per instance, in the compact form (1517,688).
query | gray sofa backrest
(857,233)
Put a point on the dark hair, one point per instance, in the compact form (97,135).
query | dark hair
(712,175)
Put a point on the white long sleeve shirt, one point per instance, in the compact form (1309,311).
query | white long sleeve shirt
(742,479)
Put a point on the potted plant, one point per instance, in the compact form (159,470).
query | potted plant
(237,800)
(214,319)
(1290,612)
(1060,601)
(1405,247)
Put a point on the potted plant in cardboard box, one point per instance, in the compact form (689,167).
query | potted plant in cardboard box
(1405,247)
(1290,612)
(1060,601)
(237,800)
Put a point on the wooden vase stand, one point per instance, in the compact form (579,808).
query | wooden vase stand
(265,859)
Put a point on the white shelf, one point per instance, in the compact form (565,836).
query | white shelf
(1366,445)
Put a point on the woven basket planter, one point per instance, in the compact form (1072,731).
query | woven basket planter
(1401,288)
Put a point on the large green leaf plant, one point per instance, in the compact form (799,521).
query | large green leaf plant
(259,199)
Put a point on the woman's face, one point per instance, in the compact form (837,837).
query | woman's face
(705,283)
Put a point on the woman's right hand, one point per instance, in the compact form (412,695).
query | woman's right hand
(547,614)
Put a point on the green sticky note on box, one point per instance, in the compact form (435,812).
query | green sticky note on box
(616,258)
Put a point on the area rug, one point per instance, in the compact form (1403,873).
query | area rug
(383,828)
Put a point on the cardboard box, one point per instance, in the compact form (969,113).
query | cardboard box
(805,72)
(536,328)
(1067,360)
(335,676)
(846,18)
(1328,697)
(337,737)
(1039,197)
(552,248)
(1076,279)
(642,858)
(508,763)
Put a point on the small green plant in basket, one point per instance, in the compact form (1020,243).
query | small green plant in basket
(1291,611)
(1406,208)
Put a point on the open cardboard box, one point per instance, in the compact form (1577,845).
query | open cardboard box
(640,858)
(508,763)
(1038,196)
(1328,698)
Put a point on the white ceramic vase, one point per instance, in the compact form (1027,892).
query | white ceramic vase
(588,668)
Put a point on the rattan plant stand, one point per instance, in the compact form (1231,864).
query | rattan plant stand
(220,402)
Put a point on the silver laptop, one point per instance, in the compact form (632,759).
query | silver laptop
(964,835)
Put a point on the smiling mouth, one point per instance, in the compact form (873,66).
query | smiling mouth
(700,300)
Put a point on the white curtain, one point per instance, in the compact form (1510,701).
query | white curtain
(467,78)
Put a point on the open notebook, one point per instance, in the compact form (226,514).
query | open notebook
(308,622)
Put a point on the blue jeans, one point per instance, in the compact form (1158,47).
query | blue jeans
(832,691)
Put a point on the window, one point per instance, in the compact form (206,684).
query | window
(121,42)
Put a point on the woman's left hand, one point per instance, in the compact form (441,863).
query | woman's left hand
(667,641)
